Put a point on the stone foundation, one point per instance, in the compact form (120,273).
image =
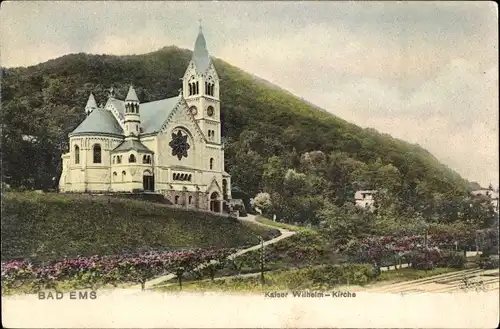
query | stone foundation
(199,200)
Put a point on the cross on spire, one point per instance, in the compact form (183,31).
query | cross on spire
(199,20)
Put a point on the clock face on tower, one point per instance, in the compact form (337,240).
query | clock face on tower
(210,111)
(193,110)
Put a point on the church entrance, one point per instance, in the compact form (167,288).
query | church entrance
(148,181)
(215,202)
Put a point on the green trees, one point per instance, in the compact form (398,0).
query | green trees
(267,132)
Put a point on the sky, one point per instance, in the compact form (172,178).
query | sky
(424,72)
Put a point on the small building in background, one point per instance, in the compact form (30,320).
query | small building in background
(365,199)
(490,193)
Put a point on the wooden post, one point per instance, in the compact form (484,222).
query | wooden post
(262,261)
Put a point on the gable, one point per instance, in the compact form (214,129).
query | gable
(214,186)
(180,115)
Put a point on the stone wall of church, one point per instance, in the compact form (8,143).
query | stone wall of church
(187,199)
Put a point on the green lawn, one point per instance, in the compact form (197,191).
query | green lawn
(51,226)
(315,278)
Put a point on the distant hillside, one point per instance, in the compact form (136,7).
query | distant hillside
(51,226)
(260,121)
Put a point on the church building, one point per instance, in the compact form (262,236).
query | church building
(170,146)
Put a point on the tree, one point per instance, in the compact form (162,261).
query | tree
(263,202)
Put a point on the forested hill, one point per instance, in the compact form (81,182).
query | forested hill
(267,130)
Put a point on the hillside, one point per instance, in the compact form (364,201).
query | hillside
(267,132)
(50,226)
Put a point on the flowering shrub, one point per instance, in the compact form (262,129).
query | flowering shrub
(387,250)
(93,272)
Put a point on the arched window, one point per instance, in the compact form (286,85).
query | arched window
(190,89)
(190,199)
(114,159)
(197,88)
(131,158)
(97,153)
(211,163)
(119,159)
(114,176)
(144,159)
(123,175)
(176,199)
(77,154)
(189,178)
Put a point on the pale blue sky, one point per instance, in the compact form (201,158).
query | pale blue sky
(426,72)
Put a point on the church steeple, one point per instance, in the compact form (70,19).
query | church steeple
(200,87)
(201,57)
(91,104)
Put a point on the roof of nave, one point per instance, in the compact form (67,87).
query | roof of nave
(153,114)
(132,145)
(99,121)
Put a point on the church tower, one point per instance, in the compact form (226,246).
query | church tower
(132,119)
(200,89)
(91,104)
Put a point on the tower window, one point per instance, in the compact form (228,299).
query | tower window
(114,176)
(197,88)
(131,158)
(211,163)
(123,175)
(190,199)
(190,89)
(97,153)
(119,159)
(176,199)
(77,154)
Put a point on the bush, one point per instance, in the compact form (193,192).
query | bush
(334,275)
(426,259)
(271,234)
(489,263)
(453,260)
(242,210)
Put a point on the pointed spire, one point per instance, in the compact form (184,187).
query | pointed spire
(200,53)
(131,95)
(91,104)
